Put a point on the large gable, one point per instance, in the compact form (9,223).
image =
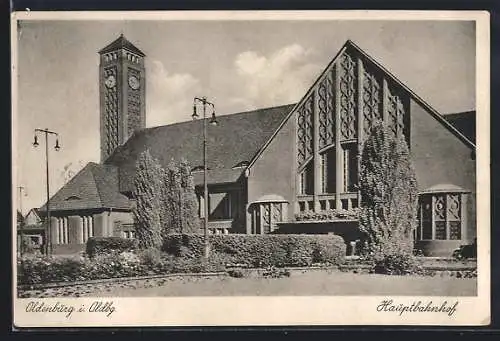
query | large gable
(232,144)
(354,85)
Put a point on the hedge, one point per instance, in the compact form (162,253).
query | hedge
(106,245)
(37,270)
(260,250)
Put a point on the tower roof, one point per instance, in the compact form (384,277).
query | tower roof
(122,43)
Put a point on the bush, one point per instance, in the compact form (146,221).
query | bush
(104,245)
(328,215)
(260,250)
(42,270)
(397,264)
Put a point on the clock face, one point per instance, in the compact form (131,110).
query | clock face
(110,81)
(133,82)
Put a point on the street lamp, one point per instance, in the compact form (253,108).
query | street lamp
(213,121)
(48,232)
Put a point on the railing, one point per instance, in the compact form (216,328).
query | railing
(220,226)
(327,202)
(305,203)
(348,200)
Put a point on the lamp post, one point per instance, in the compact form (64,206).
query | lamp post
(213,121)
(48,243)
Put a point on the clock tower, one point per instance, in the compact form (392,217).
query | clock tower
(122,83)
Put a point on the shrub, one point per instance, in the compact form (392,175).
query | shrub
(397,264)
(328,215)
(32,270)
(260,250)
(104,245)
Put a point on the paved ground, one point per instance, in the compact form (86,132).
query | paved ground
(301,284)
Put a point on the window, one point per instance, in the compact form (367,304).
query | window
(307,180)
(350,167)
(222,205)
(128,234)
(441,216)
(267,215)
(87,228)
(328,171)
(62,230)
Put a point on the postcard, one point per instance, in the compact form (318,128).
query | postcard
(250,168)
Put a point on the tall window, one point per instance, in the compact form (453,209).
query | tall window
(87,228)
(306,185)
(350,167)
(328,170)
(62,230)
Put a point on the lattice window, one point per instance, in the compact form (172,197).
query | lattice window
(396,112)
(111,113)
(305,131)
(440,230)
(134,104)
(444,215)
(267,218)
(326,112)
(348,86)
(439,208)
(372,103)
(277,215)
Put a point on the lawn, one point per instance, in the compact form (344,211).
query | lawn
(308,283)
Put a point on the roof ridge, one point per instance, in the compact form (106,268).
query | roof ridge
(219,116)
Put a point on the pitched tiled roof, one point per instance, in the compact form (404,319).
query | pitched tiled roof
(464,122)
(94,187)
(122,43)
(236,138)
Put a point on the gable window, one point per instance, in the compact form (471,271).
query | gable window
(350,167)
(328,171)
(306,180)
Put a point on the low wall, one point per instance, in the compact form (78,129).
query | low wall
(438,248)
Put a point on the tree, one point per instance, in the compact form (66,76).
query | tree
(389,194)
(189,203)
(148,183)
(180,207)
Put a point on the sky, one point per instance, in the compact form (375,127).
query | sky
(237,65)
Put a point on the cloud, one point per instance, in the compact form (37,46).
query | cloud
(280,78)
(169,95)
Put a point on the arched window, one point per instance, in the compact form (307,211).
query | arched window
(442,213)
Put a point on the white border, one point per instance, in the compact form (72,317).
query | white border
(318,310)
